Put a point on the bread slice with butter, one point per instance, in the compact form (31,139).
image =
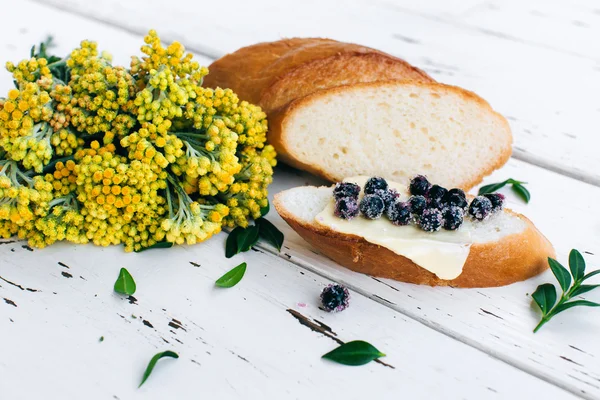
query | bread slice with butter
(506,248)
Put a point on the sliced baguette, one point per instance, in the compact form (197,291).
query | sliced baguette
(274,73)
(394,129)
(508,248)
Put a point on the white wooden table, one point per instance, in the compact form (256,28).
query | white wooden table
(537,62)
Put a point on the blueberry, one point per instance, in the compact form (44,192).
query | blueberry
(417,204)
(419,185)
(372,206)
(346,189)
(431,220)
(496,199)
(455,200)
(389,196)
(480,208)
(335,298)
(399,213)
(375,183)
(453,217)
(436,195)
(346,208)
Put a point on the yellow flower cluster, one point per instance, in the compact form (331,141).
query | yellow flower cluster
(92,152)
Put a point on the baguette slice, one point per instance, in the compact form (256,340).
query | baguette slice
(274,73)
(508,248)
(394,129)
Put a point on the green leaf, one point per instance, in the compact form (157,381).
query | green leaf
(356,352)
(575,303)
(270,233)
(545,297)
(265,210)
(593,273)
(576,264)
(491,188)
(561,274)
(583,289)
(153,362)
(125,283)
(158,245)
(522,192)
(247,238)
(231,247)
(231,278)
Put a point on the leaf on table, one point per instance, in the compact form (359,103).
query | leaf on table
(153,362)
(574,303)
(270,233)
(265,210)
(576,264)
(583,289)
(247,238)
(158,245)
(561,274)
(491,188)
(357,352)
(232,277)
(545,297)
(522,192)
(591,274)
(231,247)
(125,283)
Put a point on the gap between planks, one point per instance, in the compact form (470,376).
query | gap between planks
(213,54)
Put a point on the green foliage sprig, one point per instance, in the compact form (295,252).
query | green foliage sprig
(517,187)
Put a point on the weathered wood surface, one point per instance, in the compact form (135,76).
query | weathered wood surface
(244,342)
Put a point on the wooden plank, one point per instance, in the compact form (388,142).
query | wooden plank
(250,341)
(551,115)
(498,321)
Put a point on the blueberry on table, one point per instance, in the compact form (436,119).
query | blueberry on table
(372,206)
(399,213)
(375,183)
(419,185)
(431,220)
(346,208)
(346,189)
(453,217)
(335,298)
(480,208)
(417,204)
(497,200)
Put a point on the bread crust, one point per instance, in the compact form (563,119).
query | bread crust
(279,119)
(252,71)
(337,70)
(514,258)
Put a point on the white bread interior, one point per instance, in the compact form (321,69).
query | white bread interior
(395,130)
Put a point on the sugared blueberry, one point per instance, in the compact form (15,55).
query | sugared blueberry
(417,204)
(399,213)
(497,200)
(480,208)
(455,199)
(389,196)
(372,206)
(453,217)
(346,208)
(419,185)
(431,220)
(436,195)
(375,183)
(335,298)
(346,189)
